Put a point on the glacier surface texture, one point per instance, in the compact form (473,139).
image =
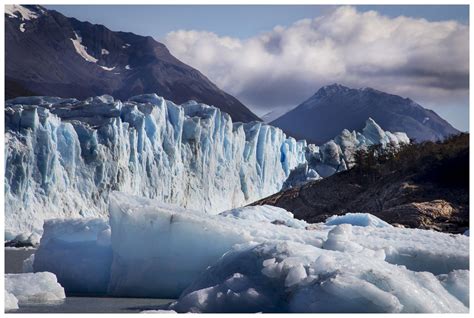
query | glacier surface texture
(64,157)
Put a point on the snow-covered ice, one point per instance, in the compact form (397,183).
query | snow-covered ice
(64,156)
(266,214)
(159,311)
(360,219)
(237,261)
(457,283)
(78,251)
(153,242)
(11,303)
(295,277)
(28,288)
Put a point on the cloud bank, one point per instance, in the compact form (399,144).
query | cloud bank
(427,61)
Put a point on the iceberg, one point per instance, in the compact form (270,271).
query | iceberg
(457,283)
(358,219)
(32,288)
(294,277)
(256,259)
(158,250)
(78,251)
(64,156)
(265,214)
(11,303)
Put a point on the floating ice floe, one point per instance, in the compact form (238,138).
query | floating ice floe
(78,251)
(266,214)
(154,242)
(32,288)
(359,219)
(159,311)
(295,277)
(238,262)
(11,303)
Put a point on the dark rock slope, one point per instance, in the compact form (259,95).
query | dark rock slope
(425,186)
(53,55)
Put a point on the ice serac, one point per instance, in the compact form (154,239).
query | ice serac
(337,154)
(64,157)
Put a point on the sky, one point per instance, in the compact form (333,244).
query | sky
(275,57)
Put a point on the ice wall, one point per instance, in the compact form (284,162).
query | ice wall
(64,157)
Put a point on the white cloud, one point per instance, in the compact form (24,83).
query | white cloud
(427,61)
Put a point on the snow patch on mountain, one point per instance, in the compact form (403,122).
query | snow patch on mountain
(19,11)
(107,68)
(104,52)
(81,49)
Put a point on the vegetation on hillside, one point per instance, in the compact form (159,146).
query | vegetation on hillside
(444,162)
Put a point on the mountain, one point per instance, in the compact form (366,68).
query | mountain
(336,107)
(426,185)
(52,55)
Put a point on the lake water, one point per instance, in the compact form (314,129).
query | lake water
(96,305)
(13,264)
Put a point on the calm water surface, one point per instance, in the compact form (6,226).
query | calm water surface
(96,305)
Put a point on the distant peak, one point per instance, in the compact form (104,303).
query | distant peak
(331,89)
(336,88)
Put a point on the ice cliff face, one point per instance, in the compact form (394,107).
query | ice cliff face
(64,156)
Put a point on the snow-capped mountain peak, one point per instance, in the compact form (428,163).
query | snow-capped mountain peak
(335,107)
(40,42)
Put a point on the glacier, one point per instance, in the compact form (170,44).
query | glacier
(242,260)
(64,156)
